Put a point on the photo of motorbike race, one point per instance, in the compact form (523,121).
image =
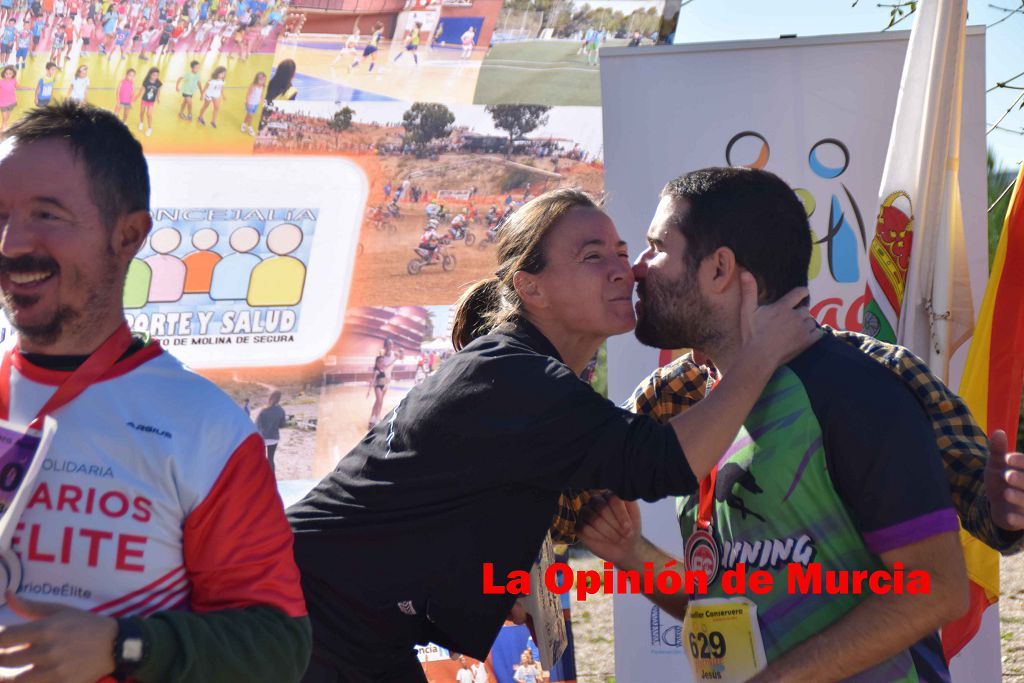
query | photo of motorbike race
(383,50)
(546,51)
(441,179)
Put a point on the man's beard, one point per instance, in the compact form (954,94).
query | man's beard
(675,315)
(65,320)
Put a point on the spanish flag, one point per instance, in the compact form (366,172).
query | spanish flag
(992,383)
(995,362)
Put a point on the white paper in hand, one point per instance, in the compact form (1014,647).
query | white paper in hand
(22,451)
(545,610)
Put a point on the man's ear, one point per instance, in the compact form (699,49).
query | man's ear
(528,288)
(130,233)
(721,270)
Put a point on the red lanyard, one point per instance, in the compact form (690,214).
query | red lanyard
(95,366)
(705,507)
(707,500)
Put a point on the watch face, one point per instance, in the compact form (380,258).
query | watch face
(131,649)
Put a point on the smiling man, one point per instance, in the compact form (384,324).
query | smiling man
(142,559)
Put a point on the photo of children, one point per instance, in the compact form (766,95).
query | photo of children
(547,52)
(416,50)
(441,180)
(103,52)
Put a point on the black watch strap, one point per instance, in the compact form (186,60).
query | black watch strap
(130,648)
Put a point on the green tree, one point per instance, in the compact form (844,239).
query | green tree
(342,120)
(517,119)
(425,122)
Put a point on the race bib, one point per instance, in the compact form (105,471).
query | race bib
(723,640)
(22,451)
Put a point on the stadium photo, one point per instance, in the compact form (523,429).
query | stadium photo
(382,50)
(551,57)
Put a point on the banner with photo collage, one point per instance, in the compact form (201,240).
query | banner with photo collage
(454,111)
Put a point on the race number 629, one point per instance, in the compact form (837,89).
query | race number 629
(707,645)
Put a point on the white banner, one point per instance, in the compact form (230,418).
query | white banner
(816,111)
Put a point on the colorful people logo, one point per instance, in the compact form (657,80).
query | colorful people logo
(230,280)
(168,272)
(278,281)
(828,159)
(199,264)
(163,277)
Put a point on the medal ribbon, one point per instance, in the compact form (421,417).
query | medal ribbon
(706,505)
(95,366)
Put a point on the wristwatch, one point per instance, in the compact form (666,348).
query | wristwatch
(130,649)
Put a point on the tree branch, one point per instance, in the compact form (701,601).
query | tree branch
(1003,84)
(1007,130)
(1009,13)
(893,23)
(1008,188)
(1005,114)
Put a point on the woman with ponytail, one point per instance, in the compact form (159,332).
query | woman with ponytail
(467,469)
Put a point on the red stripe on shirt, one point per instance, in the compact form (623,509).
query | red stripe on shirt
(175,598)
(134,594)
(140,606)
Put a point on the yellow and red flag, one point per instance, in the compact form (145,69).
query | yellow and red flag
(994,372)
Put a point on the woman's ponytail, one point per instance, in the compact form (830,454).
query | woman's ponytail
(476,311)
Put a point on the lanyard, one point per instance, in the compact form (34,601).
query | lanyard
(95,366)
(706,499)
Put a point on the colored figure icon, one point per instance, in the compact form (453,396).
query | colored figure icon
(278,281)
(810,205)
(843,249)
(136,284)
(199,264)
(230,281)
(749,146)
(168,281)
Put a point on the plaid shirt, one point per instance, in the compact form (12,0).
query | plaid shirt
(675,387)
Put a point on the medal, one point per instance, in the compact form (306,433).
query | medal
(702,552)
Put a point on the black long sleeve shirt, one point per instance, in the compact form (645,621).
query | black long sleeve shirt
(467,469)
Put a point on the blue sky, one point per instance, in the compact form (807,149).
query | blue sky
(713,20)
